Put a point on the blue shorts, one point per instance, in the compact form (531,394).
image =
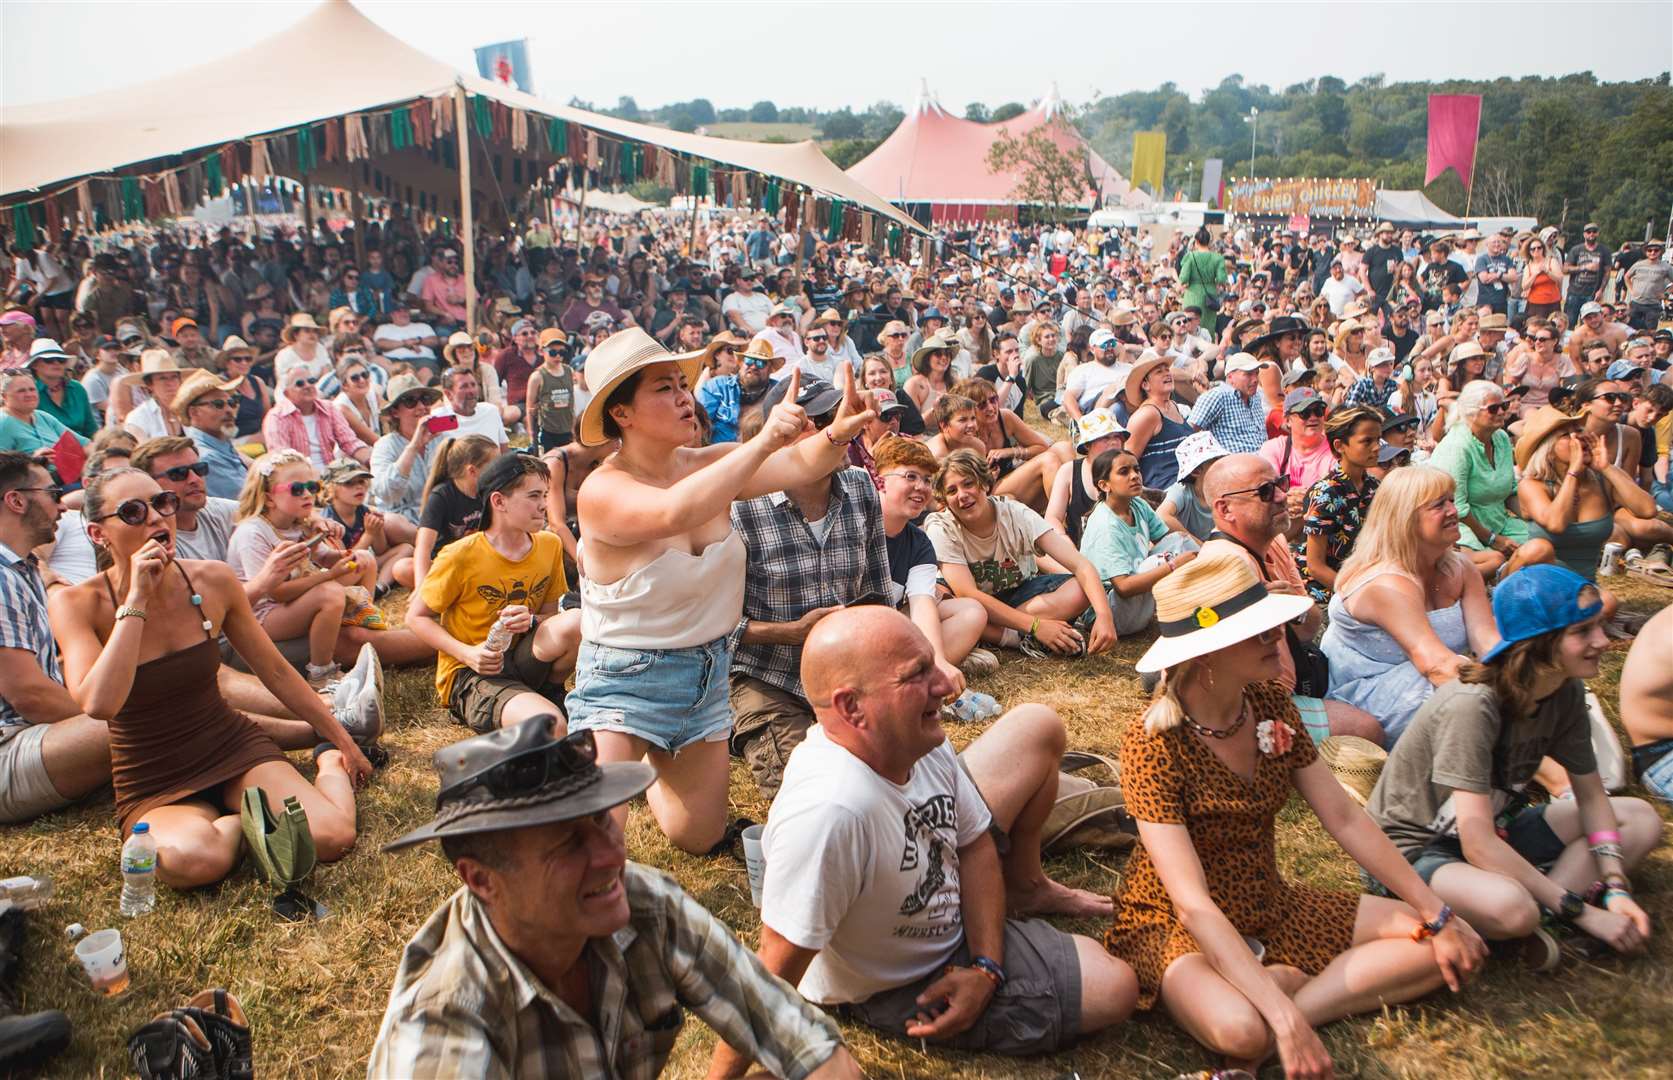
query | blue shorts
(668,697)
(1526,833)
(1038,585)
(1654,764)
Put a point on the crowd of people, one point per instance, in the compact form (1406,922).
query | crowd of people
(757,495)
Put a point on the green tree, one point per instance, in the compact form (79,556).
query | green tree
(626,109)
(1047,175)
(976,111)
(1008,111)
(845,152)
(842,124)
(763,112)
(702,111)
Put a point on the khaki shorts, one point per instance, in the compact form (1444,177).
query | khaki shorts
(478,701)
(767,723)
(26,791)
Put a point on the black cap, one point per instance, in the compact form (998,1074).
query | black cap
(502,473)
(1396,421)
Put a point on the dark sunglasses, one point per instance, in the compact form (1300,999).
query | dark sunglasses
(298,488)
(213,403)
(1495,408)
(817,337)
(554,350)
(359,376)
(1311,412)
(304,382)
(1544,338)
(1614,396)
(179,473)
(134,340)
(1266,490)
(53,491)
(530,771)
(754,361)
(138,511)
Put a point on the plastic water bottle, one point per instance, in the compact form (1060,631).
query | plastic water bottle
(26,893)
(139,871)
(499,638)
(974,707)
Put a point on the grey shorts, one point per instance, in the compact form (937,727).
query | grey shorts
(1036,1012)
(26,791)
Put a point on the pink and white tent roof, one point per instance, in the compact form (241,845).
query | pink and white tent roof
(936,157)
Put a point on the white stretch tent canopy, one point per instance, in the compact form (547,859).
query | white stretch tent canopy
(333,62)
(1413,208)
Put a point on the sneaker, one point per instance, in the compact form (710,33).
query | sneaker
(324,679)
(980,662)
(1035,649)
(1538,952)
(358,701)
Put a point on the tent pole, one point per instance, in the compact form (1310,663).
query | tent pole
(467,237)
(357,207)
(307,210)
(1475,152)
(691,244)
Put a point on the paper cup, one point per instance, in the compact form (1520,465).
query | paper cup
(105,961)
(755,860)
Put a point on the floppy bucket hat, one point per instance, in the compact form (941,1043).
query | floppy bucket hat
(1209,604)
(521,776)
(1095,425)
(618,356)
(1196,450)
(300,321)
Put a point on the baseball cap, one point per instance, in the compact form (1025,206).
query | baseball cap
(887,402)
(1297,400)
(1387,452)
(1298,375)
(1100,338)
(343,470)
(1242,362)
(1379,356)
(1590,307)
(817,397)
(1623,369)
(1537,600)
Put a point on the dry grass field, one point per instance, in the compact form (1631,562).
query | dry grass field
(760,132)
(315,990)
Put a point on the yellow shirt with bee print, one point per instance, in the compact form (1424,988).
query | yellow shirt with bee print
(470,582)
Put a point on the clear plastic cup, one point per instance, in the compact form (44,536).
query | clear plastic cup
(105,961)
(755,860)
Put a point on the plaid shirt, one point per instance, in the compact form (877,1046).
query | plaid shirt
(790,572)
(23,622)
(464,1005)
(1238,423)
(1364,391)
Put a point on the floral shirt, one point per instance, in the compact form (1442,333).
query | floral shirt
(1335,511)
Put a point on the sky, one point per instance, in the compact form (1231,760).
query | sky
(828,55)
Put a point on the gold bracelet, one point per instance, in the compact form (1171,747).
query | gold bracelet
(127,611)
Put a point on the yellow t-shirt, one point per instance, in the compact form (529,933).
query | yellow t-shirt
(470,582)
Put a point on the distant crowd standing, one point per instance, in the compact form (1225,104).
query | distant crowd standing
(767,497)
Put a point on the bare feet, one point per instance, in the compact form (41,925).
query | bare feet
(1047,897)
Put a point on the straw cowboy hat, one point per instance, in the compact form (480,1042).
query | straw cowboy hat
(571,785)
(1539,425)
(830,315)
(1355,762)
(934,343)
(1468,350)
(459,340)
(724,339)
(1135,379)
(158,362)
(1209,604)
(759,349)
(300,321)
(198,383)
(620,355)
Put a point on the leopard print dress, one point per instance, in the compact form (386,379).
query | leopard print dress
(1174,778)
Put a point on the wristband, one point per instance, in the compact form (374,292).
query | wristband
(1604,836)
(1434,926)
(833,440)
(1569,907)
(991,969)
(1607,893)
(1033,627)
(1617,881)
(1606,851)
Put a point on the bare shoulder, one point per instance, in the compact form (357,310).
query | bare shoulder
(205,575)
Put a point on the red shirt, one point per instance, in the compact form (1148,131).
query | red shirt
(514,370)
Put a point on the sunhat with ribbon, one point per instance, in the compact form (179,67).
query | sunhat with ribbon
(617,357)
(1211,603)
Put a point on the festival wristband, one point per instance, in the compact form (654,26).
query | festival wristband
(1604,836)
(1435,925)
(1606,851)
(991,969)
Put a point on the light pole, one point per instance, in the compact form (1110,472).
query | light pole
(1254,119)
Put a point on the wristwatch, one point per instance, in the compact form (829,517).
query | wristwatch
(1570,906)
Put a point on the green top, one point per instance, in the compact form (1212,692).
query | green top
(1202,273)
(1482,486)
(41,430)
(76,412)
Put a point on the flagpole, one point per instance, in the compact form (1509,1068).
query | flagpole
(1475,152)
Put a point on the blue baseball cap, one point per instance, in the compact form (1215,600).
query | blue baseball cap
(1537,600)
(1622,369)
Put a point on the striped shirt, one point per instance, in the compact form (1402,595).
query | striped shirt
(464,1005)
(23,622)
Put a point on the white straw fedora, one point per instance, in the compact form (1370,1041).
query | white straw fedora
(620,355)
(1212,602)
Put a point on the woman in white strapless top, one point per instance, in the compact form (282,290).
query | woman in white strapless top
(664,585)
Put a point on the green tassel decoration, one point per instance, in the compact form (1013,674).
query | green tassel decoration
(699,181)
(212,177)
(400,129)
(484,117)
(306,156)
(557,137)
(770,200)
(894,241)
(133,203)
(23,228)
(833,230)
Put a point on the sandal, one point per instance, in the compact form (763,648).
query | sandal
(171,1047)
(220,1017)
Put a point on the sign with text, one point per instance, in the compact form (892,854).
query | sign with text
(1316,198)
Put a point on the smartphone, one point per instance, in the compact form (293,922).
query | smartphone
(439,424)
(871,599)
(313,538)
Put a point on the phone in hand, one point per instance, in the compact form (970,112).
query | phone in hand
(439,424)
(313,538)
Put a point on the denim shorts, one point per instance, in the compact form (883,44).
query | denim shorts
(1527,834)
(668,697)
(1654,765)
(1038,585)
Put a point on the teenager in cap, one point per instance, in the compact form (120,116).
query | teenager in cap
(1246,962)
(575,961)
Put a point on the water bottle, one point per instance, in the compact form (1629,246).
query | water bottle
(499,638)
(139,871)
(26,893)
(974,707)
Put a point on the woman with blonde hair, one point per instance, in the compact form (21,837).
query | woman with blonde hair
(1476,451)
(1246,962)
(1351,349)
(1571,490)
(1407,607)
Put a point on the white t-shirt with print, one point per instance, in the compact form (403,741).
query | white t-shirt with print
(867,871)
(999,562)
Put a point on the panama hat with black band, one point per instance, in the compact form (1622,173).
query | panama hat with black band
(523,776)
(1212,603)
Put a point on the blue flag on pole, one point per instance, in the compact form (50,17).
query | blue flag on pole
(506,62)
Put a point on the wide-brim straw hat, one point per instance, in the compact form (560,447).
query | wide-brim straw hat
(1211,603)
(934,343)
(1136,377)
(233,344)
(198,383)
(300,321)
(1356,763)
(158,362)
(719,341)
(1542,422)
(617,357)
(459,340)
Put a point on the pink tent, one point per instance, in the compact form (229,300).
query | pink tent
(937,158)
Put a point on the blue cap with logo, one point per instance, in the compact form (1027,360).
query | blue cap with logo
(1537,600)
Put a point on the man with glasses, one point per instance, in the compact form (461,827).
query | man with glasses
(1248,499)
(443,294)
(811,550)
(818,361)
(300,421)
(728,399)
(553,920)
(1586,267)
(1087,382)
(51,754)
(210,415)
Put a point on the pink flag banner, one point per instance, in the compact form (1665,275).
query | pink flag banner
(1454,124)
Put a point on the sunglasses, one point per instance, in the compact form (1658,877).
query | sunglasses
(179,473)
(299,488)
(1613,396)
(817,337)
(135,340)
(754,361)
(358,377)
(53,491)
(554,350)
(1266,490)
(897,334)
(532,770)
(1311,412)
(1495,408)
(138,511)
(300,383)
(1542,338)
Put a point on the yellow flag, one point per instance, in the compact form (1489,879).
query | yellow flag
(1150,151)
